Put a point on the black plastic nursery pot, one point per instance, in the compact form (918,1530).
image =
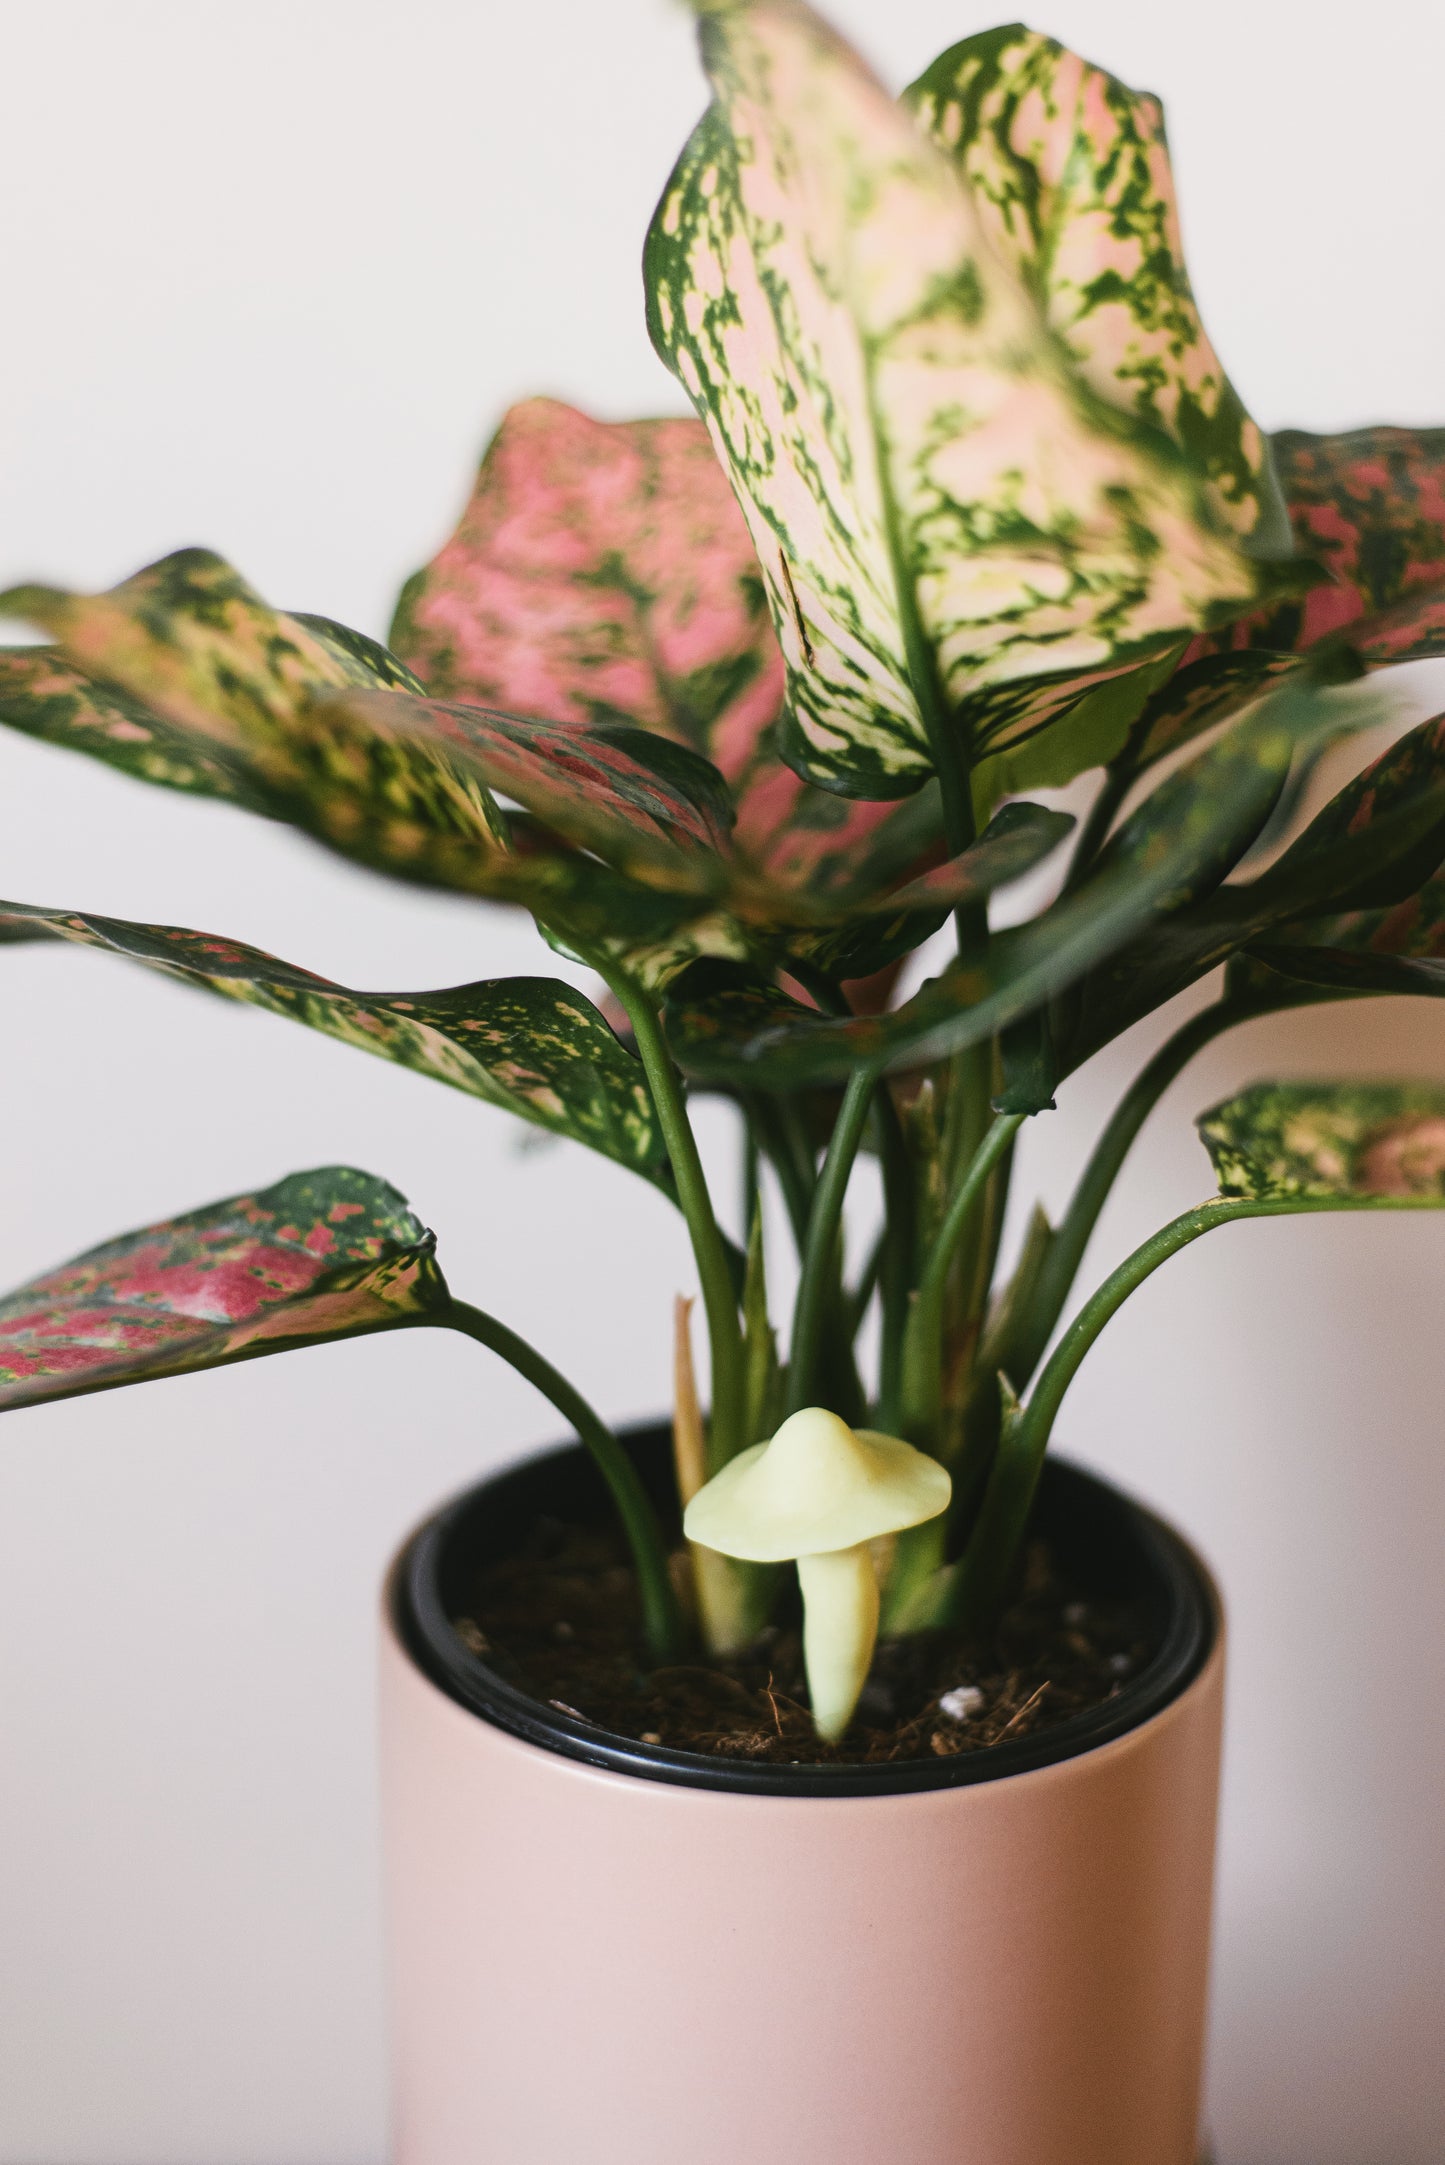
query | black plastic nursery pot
(1107,1544)
(609,1951)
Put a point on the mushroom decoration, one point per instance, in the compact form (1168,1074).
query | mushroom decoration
(817,1495)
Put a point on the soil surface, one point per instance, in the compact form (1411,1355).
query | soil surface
(560,1622)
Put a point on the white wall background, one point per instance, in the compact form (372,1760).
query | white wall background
(273,273)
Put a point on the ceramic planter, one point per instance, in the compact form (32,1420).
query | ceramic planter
(605,1954)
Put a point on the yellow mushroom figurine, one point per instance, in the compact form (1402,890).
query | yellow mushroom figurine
(817,1495)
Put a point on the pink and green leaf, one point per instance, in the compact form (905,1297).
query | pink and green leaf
(323,1255)
(1069,170)
(529,1044)
(1356,1141)
(649,807)
(879,383)
(1368,510)
(184,675)
(603,572)
(45,696)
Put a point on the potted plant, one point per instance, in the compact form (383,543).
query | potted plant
(827,1774)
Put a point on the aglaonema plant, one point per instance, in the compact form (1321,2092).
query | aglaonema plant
(745,709)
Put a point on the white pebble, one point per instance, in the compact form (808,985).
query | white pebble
(962,1703)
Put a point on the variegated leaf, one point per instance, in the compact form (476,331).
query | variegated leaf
(1355,1140)
(43,695)
(1369,509)
(941,508)
(602,571)
(530,1044)
(189,637)
(1070,174)
(648,806)
(323,1255)
(1370,506)
(183,674)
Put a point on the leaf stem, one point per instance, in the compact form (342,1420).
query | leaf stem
(1035,1326)
(818,1281)
(983,1571)
(923,1356)
(661,1617)
(715,1265)
(897,1258)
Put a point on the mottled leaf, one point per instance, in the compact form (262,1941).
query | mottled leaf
(43,695)
(530,1044)
(941,507)
(186,658)
(1321,1140)
(1070,174)
(1369,506)
(603,571)
(323,1255)
(189,637)
(1368,509)
(646,805)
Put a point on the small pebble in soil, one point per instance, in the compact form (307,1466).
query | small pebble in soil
(962,1703)
(1076,1613)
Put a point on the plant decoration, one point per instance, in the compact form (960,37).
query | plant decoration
(744,709)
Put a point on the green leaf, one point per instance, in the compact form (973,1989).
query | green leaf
(529,1044)
(1374,843)
(942,507)
(1322,1140)
(746,1034)
(879,930)
(324,1255)
(1070,174)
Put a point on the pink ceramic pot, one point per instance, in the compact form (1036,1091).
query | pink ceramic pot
(607,1955)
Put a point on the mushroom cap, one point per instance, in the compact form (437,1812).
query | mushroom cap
(818,1486)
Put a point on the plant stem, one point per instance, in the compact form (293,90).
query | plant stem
(818,1281)
(987,1562)
(897,1258)
(715,1267)
(923,1356)
(661,1618)
(1060,1267)
(787,1153)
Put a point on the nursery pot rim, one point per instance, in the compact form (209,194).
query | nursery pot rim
(418,1615)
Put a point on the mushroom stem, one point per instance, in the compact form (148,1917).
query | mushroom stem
(840,1629)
